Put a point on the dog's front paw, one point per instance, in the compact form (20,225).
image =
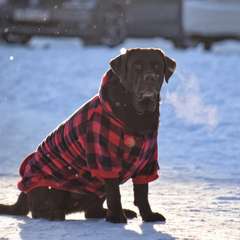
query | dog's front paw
(154,217)
(116,218)
(130,214)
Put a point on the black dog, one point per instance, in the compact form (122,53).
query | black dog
(110,139)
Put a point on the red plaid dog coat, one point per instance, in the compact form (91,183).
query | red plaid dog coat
(90,146)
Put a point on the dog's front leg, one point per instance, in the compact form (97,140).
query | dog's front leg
(115,212)
(141,201)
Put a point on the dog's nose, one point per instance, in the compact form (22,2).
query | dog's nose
(147,96)
(149,77)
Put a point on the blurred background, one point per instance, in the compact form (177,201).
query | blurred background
(111,22)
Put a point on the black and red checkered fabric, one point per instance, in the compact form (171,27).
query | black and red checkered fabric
(90,146)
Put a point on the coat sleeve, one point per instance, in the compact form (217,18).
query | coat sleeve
(150,171)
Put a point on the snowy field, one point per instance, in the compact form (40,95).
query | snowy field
(199,137)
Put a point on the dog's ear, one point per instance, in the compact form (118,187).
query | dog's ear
(118,65)
(170,66)
(119,68)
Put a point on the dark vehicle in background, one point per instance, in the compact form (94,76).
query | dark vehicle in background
(211,21)
(156,18)
(106,22)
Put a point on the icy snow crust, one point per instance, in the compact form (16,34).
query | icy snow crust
(199,188)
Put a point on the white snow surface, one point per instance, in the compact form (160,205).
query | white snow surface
(199,153)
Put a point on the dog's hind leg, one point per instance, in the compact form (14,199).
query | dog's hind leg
(20,208)
(88,203)
(91,205)
(96,209)
(48,204)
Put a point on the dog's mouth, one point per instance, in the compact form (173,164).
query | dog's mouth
(146,105)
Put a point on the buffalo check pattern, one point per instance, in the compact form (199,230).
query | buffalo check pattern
(90,146)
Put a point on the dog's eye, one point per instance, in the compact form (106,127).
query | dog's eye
(156,66)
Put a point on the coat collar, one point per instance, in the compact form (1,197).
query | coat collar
(104,100)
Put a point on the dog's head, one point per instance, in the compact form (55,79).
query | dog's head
(141,72)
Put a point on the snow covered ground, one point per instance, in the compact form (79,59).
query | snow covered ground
(199,188)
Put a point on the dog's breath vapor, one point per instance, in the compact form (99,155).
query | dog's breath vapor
(189,105)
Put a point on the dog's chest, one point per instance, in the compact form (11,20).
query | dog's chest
(112,147)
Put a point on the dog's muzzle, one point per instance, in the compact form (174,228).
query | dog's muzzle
(147,102)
